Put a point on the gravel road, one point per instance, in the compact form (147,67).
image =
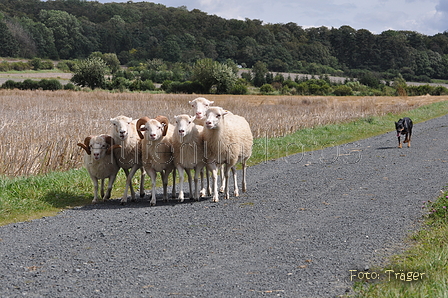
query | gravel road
(305,221)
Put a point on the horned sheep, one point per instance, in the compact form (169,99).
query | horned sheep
(157,151)
(188,153)
(124,132)
(227,140)
(100,163)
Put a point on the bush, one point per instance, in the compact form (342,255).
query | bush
(343,90)
(69,86)
(4,66)
(10,84)
(266,88)
(90,73)
(51,84)
(29,85)
(239,89)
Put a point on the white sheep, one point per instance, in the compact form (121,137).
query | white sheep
(200,105)
(188,153)
(100,162)
(157,151)
(124,132)
(227,140)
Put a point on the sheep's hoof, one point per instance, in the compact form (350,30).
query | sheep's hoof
(123,202)
(142,195)
(202,193)
(215,200)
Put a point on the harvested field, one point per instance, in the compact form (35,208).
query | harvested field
(40,129)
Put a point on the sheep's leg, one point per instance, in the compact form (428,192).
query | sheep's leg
(126,171)
(129,183)
(226,187)
(196,184)
(152,173)
(95,190)
(173,191)
(202,192)
(243,182)
(189,182)
(181,183)
(142,183)
(212,167)
(102,188)
(235,183)
(109,186)
(223,178)
(165,174)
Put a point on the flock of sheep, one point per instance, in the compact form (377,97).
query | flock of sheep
(212,139)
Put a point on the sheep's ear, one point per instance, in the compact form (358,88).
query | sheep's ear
(225,112)
(192,118)
(165,122)
(140,122)
(211,102)
(108,139)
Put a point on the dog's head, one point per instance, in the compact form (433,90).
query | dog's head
(399,127)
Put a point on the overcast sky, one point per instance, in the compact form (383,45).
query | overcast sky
(425,16)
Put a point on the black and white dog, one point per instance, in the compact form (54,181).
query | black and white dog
(404,127)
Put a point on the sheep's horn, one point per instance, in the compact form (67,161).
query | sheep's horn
(140,122)
(109,151)
(163,120)
(86,145)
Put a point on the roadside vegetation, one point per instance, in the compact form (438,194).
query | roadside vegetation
(205,76)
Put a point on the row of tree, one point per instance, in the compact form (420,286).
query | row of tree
(141,31)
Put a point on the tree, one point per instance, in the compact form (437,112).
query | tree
(90,73)
(9,45)
(211,73)
(259,71)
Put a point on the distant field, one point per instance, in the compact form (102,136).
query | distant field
(40,129)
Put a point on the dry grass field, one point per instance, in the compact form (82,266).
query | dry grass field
(40,129)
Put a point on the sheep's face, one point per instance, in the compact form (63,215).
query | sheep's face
(200,106)
(121,126)
(214,116)
(153,130)
(184,124)
(98,147)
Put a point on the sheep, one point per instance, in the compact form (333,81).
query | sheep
(100,163)
(157,151)
(227,140)
(200,105)
(188,152)
(124,132)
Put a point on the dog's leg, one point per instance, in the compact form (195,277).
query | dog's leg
(409,140)
(399,142)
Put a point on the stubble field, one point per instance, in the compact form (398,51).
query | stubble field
(40,129)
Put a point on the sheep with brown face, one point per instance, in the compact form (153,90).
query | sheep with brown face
(129,156)
(157,151)
(100,162)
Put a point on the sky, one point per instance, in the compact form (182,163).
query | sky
(424,16)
